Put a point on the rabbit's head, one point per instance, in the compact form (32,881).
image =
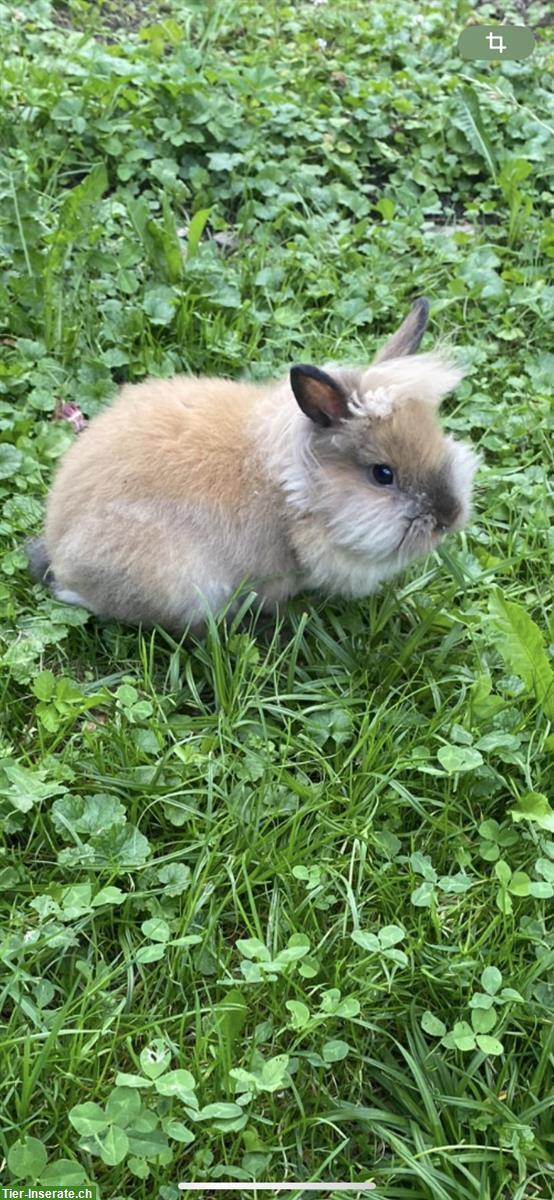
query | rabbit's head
(373,462)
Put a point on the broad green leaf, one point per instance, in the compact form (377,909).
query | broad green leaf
(367,941)
(230,1015)
(471,121)
(297,947)
(156,929)
(522,647)
(76,899)
(491,980)
(23,787)
(150,954)
(422,865)
(519,884)
(108,895)
(503,872)
(223,161)
(513,171)
(45,906)
(252,972)
(253,948)
(489,851)
(298,941)
(82,197)
(44,685)
(175,877)
(498,741)
(147,1143)
(195,230)
(330,1000)
(274,1072)
(422,896)
(176,1083)
(463,1036)
(10,461)
(459,758)
(87,814)
(178,1131)
(114,1146)
(122,1105)
(283,959)
(511,994)
(545,867)
(334,1050)
(396,956)
(489,1045)
(455,885)
(389,935)
(246,1079)
(483,1020)
(541,890)
(123,848)
(309,967)
(219,1112)
(386,207)
(145,1122)
(27,1159)
(432,1025)
(88,1119)
(300,1013)
(349,1007)
(489,829)
(503,902)
(481,1000)
(138,1166)
(155,1058)
(63,1172)
(534,807)
(159,304)
(123,1079)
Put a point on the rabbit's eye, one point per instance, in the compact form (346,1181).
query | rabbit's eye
(383,474)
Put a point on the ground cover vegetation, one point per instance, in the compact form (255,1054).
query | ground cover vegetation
(274,902)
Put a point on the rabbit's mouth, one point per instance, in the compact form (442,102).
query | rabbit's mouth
(420,536)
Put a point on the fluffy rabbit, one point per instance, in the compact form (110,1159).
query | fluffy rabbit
(185,488)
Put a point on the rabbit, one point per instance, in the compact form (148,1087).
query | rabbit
(183,489)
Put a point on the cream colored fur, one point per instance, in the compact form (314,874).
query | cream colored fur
(185,488)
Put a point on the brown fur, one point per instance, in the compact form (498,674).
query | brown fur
(172,442)
(185,488)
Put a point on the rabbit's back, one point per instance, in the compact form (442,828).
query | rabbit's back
(162,498)
(161,439)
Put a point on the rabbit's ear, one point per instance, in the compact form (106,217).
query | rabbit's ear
(320,397)
(406,339)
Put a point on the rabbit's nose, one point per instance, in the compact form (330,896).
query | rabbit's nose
(446,514)
(445,507)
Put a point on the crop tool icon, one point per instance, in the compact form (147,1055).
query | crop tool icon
(496,42)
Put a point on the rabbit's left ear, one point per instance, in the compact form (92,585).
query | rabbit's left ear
(319,396)
(406,339)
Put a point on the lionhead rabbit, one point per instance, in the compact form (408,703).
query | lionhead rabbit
(184,488)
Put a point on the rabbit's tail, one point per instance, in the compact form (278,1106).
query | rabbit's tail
(39,561)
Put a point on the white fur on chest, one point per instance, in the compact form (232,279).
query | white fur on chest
(339,572)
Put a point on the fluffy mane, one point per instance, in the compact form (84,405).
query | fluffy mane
(424,377)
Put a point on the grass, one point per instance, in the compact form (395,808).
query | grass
(274,902)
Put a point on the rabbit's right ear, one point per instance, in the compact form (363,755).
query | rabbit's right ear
(319,396)
(406,339)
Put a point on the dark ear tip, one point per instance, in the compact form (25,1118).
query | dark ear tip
(305,369)
(421,306)
(320,397)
